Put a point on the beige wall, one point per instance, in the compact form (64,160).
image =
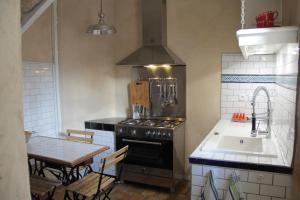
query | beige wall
(37,40)
(198,31)
(14,182)
(199,36)
(86,64)
(128,39)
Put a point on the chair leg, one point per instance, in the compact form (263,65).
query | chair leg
(67,197)
(29,167)
(97,195)
(36,197)
(51,194)
(107,193)
(74,196)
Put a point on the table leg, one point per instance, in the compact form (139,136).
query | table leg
(68,176)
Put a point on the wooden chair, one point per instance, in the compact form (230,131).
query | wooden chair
(41,187)
(80,136)
(76,136)
(85,137)
(96,184)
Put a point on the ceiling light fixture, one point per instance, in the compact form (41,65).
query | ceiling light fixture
(101,28)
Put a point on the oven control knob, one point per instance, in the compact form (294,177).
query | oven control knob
(120,130)
(164,134)
(153,133)
(133,132)
(169,135)
(158,134)
(148,133)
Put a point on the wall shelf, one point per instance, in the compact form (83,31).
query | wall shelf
(266,40)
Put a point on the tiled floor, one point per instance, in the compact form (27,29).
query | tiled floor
(131,191)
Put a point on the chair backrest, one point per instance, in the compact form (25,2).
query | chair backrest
(114,158)
(80,136)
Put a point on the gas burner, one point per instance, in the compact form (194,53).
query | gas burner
(155,123)
(149,123)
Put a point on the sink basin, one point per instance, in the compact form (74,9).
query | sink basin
(240,144)
(235,144)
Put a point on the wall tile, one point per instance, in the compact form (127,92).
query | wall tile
(282,180)
(197,170)
(40,105)
(260,177)
(218,171)
(198,180)
(274,191)
(252,188)
(257,197)
(196,190)
(221,184)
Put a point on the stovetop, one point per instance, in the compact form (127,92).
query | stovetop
(152,123)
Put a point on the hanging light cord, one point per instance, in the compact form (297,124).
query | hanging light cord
(101,6)
(101,14)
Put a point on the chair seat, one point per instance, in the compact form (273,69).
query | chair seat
(87,186)
(41,186)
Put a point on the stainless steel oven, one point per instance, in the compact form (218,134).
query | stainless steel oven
(156,151)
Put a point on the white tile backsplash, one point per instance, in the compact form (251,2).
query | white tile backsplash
(237,97)
(287,59)
(40,98)
(258,64)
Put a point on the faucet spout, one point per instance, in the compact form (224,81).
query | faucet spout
(254,130)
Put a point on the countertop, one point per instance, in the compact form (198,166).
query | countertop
(238,160)
(105,124)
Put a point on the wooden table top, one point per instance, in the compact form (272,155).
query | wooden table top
(62,152)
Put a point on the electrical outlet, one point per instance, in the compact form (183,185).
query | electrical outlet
(243,97)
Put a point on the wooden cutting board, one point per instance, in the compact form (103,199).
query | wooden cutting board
(139,93)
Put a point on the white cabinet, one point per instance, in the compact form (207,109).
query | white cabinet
(104,138)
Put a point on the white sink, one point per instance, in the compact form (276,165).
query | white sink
(230,137)
(240,144)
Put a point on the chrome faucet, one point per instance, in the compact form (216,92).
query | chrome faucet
(255,130)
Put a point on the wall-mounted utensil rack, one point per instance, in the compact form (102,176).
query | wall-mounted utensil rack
(168,93)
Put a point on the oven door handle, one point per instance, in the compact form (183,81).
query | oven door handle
(142,142)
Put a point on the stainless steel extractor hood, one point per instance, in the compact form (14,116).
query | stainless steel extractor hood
(154,50)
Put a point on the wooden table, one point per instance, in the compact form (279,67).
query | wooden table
(63,153)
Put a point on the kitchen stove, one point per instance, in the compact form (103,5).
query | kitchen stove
(156,150)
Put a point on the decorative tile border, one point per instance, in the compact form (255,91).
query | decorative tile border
(242,78)
(287,81)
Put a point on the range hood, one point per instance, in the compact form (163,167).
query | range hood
(154,50)
(266,40)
